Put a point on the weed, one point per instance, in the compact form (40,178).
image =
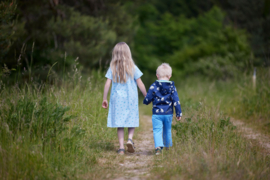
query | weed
(53,132)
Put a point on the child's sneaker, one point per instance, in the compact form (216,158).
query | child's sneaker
(158,151)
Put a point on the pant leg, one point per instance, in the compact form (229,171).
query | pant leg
(157,130)
(167,130)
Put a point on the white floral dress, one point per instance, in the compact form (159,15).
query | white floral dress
(123,106)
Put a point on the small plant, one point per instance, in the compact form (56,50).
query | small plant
(185,129)
(201,128)
(41,120)
(226,123)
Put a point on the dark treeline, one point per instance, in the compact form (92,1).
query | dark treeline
(215,38)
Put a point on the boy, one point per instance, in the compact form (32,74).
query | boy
(164,96)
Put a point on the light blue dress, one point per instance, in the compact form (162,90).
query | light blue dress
(123,106)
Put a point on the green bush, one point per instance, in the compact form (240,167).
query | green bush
(201,45)
(62,29)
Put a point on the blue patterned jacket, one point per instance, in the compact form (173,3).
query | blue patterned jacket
(164,96)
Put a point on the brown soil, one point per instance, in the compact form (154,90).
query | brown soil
(136,166)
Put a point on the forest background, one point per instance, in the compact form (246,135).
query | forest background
(216,39)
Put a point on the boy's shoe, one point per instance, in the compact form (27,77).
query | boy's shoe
(158,151)
(130,146)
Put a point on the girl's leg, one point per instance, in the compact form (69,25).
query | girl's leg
(120,133)
(130,132)
(130,145)
(167,131)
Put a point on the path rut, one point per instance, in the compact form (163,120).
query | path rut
(252,134)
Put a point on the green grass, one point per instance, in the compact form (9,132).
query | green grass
(235,98)
(59,131)
(206,145)
(50,132)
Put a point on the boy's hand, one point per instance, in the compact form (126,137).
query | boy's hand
(105,104)
(178,118)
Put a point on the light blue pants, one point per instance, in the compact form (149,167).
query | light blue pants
(162,125)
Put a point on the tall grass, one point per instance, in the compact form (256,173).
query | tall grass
(254,104)
(57,129)
(236,98)
(206,145)
(54,132)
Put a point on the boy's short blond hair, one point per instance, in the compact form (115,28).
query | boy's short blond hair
(164,70)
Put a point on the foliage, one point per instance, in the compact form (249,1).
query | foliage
(254,17)
(188,8)
(195,46)
(83,29)
(87,37)
(50,132)
(194,37)
(7,13)
(42,120)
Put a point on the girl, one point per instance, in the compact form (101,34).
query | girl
(123,109)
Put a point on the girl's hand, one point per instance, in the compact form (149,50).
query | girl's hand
(178,118)
(106,90)
(141,86)
(105,104)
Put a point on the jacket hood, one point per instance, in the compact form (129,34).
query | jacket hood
(165,87)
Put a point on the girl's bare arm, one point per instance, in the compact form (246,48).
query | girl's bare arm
(106,90)
(141,86)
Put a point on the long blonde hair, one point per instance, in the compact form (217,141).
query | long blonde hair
(122,64)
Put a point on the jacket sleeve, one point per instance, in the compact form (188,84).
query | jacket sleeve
(176,103)
(150,95)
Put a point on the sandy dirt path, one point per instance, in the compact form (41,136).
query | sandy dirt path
(137,166)
(252,134)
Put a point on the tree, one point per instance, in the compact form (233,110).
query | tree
(201,45)
(7,13)
(82,28)
(252,15)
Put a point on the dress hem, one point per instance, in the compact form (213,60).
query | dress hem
(122,127)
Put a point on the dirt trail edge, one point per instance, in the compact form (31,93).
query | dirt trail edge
(137,166)
(252,134)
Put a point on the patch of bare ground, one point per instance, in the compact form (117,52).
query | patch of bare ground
(257,137)
(137,165)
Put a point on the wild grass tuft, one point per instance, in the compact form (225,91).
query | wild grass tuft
(54,131)
(207,146)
